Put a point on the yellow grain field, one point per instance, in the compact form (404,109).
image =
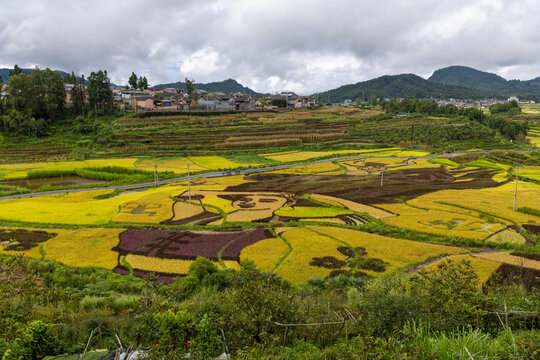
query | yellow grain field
(266,253)
(85,247)
(169,266)
(354,206)
(506,258)
(306,245)
(398,253)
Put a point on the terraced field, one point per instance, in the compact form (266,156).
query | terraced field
(322,220)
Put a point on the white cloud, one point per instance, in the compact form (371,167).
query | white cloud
(303,45)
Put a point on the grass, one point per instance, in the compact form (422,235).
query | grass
(444,161)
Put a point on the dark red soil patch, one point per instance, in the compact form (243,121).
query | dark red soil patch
(187,245)
(164,278)
(328,262)
(398,185)
(170,244)
(34,184)
(374,164)
(193,197)
(300,201)
(532,229)
(508,274)
(22,240)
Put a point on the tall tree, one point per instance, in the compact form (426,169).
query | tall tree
(144,83)
(133,80)
(16,70)
(190,88)
(77,96)
(99,90)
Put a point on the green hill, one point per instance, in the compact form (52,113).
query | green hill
(225,86)
(398,86)
(4,72)
(491,84)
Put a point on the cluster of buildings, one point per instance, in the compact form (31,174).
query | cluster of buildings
(177,100)
(484,103)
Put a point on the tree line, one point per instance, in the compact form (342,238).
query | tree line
(36,102)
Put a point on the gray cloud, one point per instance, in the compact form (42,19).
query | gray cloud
(300,45)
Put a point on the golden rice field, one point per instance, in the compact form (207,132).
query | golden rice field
(306,155)
(77,248)
(305,245)
(398,253)
(318,210)
(505,258)
(266,253)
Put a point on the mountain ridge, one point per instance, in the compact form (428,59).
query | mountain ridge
(402,85)
(489,83)
(226,86)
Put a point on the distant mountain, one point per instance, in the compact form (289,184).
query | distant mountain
(225,86)
(398,86)
(488,83)
(5,73)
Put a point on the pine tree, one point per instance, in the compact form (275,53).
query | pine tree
(133,80)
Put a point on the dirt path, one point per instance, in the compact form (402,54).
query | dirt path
(427,263)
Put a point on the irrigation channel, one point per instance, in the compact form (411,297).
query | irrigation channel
(227,173)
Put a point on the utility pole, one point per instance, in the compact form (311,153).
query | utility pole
(155,175)
(189,185)
(515,191)
(382,177)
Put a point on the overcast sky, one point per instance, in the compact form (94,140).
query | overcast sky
(298,45)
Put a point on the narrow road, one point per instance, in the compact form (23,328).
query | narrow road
(227,173)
